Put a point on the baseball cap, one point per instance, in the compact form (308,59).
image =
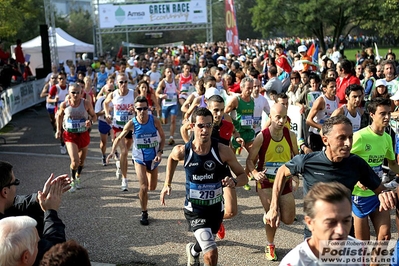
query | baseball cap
(222,66)
(210,92)
(130,62)
(381,82)
(242,58)
(61,61)
(221,58)
(395,97)
(302,48)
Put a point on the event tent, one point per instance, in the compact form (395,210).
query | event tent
(67,45)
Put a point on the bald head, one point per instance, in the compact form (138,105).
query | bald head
(278,115)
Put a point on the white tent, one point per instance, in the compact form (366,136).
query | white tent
(67,45)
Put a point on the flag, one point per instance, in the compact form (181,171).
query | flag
(232,40)
(313,52)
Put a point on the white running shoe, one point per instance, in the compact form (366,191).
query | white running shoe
(124,186)
(77,183)
(63,149)
(385,178)
(391,185)
(118,170)
(73,187)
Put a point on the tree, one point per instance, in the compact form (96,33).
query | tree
(313,17)
(15,16)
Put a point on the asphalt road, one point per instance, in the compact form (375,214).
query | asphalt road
(105,220)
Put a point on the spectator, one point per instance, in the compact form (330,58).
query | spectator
(69,253)
(274,83)
(19,56)
(345,78)
(18,241)
(4,56)
(41,206)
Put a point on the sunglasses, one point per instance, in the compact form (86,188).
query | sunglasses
(15,183)
(207,125)
(75,92)
(60,78)
(123,82)
(141,108)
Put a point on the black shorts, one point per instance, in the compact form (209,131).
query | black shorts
(209,219)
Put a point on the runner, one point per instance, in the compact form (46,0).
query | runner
(148,143)
(75,116)
(275,146)
(123,102)
(55,97)
(103,127)
(167,91)
(203,159)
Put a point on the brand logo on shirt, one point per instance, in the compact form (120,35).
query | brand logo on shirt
(368,147)
(192,164)
(279,149)
(209,165)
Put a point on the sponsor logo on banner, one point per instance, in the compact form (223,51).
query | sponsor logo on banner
(231,28)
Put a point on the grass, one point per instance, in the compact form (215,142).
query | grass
(351,53)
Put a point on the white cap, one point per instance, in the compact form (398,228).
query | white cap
(61,61)
(302,48)
(242,58)
(210,92)
(395,97)
(222,66)
(221,58)
(130,62)
(381,82)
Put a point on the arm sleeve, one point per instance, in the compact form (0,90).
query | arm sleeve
(296,164)
(367,176)
(53,233)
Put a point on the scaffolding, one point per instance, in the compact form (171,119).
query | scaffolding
(52,37)
(150,28)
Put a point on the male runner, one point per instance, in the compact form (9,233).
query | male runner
(204,159)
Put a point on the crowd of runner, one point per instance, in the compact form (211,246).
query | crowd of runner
(245,102)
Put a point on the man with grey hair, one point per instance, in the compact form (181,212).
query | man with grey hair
(42,206)
(243,118)
(18,241)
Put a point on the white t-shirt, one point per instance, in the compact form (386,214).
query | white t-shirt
(302,255)
(261,108)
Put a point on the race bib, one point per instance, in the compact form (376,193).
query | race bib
(122,117)
(171,98)
(185,88)
(271,170)
(146,141)
(257,121)
(205,194)
(75,126)
(246,120)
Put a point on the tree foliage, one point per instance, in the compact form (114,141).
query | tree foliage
(314,17)
(17,16)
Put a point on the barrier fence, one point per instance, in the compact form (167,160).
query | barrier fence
(19,97)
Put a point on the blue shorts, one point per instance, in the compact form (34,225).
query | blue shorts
(364,206)
(103,127)
(148,164)
(51,110)
(166,110)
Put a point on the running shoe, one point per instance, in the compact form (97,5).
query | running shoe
(391,185)
(144,218)
(385,178)
(171,141)
(104,160)
(118,170)
(124,186)
(247,187)
(73,187)
(63,149)
(191,260)
(77,182)
(270,253)
(222,232)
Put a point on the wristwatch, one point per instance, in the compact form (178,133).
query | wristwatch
(161,151)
